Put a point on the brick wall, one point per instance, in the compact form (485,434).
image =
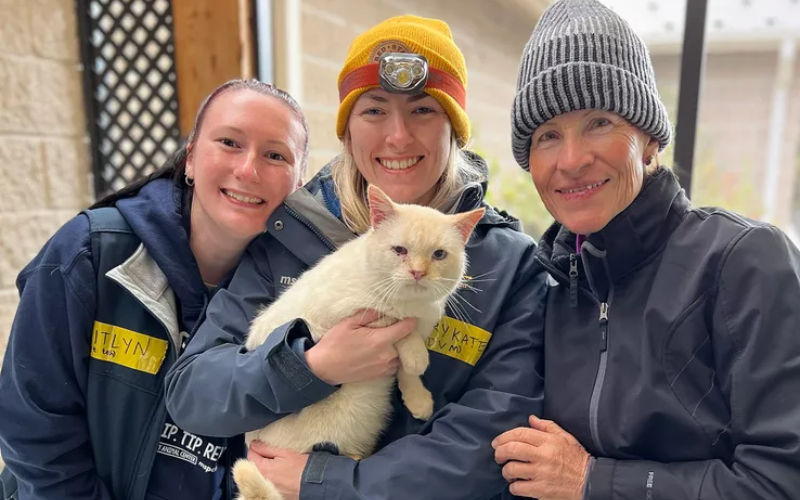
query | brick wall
(44,161)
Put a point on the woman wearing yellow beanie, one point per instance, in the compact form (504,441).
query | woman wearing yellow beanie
(403,126)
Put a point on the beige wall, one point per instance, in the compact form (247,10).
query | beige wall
(734,118)
(491,36)
(44,161)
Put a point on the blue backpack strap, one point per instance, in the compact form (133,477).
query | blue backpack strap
(105,220)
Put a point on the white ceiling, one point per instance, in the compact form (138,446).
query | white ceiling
(661,21)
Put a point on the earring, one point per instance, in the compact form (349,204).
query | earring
(189,181)
(648,161)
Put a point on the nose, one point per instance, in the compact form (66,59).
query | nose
(399,136)
(574,155)
(417,275)
(247,170)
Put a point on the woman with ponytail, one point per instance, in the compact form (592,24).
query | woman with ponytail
(114,296)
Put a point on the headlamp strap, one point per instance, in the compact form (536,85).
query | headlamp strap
(367,76)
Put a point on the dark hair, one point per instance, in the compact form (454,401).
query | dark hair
(175,166)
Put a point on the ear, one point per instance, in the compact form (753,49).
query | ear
(189,168)
(380,206)
(466,222)
(651,150)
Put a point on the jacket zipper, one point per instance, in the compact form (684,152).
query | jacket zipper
(573,280)
(600,376)
(594,402)
(312,227)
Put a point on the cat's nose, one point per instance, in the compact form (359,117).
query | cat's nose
(417,274)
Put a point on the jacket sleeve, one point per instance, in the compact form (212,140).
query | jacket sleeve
(451,458)
(218,388)
(44,435)
(756,333)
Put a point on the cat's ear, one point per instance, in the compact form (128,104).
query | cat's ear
(380,206)
(466,222)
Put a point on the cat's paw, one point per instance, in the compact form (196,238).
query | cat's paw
(413,355)
(419,403)
(252,485)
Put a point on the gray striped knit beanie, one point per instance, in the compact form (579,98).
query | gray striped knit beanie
(582,55)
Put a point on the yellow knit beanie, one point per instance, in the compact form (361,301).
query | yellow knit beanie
(416,35)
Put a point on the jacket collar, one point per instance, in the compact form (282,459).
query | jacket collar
(143,278)
(628,239)
(157,216)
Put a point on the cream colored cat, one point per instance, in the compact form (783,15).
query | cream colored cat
(408,265)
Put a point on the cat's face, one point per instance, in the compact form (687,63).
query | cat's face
(417,252)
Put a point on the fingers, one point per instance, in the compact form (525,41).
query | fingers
(515,471)
(515,451)
(550,427)
(266,451)
(256,457)
(399,330)
(363,317)
(525,435)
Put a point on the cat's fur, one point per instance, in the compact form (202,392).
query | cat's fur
(367,272)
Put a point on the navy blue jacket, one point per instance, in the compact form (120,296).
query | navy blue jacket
(484,374)
(83,413)
(673,353)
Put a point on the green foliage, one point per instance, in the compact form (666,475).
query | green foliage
(512,190)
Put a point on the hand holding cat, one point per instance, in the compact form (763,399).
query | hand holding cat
(283,467)
(543,461)
(354,352)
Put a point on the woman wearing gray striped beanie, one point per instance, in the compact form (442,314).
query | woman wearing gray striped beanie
(671,348)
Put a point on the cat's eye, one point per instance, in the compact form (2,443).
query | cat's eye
(439,255)
(400,250)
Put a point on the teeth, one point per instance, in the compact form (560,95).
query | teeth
(584,188)
(246,199)
(400,164)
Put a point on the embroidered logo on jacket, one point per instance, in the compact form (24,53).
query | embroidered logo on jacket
(288,280)
(202,452)
(459,340)
(121,346)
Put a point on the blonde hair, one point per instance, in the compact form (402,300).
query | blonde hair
(351,187)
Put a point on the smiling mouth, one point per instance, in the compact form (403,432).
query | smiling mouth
(582,188)
(242,198)
(400,164)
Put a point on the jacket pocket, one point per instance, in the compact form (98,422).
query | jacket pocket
(688,362)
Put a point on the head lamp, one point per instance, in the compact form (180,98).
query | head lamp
(402,73)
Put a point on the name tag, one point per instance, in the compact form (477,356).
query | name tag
(121,346)
(459,340)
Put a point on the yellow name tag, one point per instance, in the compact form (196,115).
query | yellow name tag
(459,340)
(128,348)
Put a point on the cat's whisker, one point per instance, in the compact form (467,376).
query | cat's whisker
(379,294)
(466,283)
(388,296)
(487,273)
(452,300)
(456,297)
(463,284)
(458,310)
(381,283)
(381,297)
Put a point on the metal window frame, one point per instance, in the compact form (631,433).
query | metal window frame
(106,173)
(691,80)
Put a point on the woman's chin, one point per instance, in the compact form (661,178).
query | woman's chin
(585,225)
